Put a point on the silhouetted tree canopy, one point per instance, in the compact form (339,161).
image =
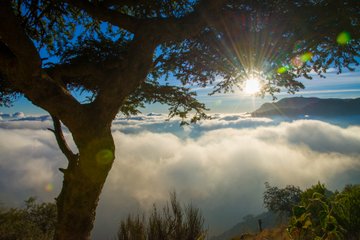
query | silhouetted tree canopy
(195,42)
(122,54)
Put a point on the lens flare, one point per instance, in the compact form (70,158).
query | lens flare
(343,38)
(49,187)
(104,157)
(306,57)
(282,69)
(217,103)
(297,62)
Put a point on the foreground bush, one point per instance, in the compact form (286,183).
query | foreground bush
(323,215)
(34,222)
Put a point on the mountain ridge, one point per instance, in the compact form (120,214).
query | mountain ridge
(301,106)
(249,224)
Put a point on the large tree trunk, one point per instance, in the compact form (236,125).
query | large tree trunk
(83,181)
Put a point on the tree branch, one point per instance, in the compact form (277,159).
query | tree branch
(60,71)
(117,3)
(64,147)
(173,29)
(165,29)
(25,72)
(104,14)
(123,81)
(14,37)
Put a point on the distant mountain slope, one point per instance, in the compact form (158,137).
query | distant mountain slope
(249,225)
(298,106)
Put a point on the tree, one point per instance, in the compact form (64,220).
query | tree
(35,221)
(117,51)
(281,200)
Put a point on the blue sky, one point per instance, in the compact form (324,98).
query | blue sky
(344,85)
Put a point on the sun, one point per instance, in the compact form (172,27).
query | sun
(252,85)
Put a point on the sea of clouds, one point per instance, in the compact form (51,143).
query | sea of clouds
(218,165)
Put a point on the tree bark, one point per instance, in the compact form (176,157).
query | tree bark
(83,181)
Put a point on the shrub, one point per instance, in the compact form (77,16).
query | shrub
(325,215)
(171,223)
(35,222)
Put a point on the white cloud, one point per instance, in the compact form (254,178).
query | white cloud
(19,115)
(219,165)
(28,163)
(223,171)
(33,123)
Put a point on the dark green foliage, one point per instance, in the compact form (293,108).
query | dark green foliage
(35,222)
(281,200)
(314,217)
(170,223)
(349,214)
(326,215)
